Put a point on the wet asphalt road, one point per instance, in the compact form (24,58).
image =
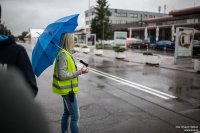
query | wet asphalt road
(111,101)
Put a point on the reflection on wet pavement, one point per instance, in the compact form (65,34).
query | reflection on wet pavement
(100,77)
(100,86)
(183,85)
(186,92)
(151,70)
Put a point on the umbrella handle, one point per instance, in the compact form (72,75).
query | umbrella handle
(81,61)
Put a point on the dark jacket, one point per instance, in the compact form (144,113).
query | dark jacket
(14,55)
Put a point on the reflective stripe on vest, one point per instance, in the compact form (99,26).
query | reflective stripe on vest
(63,87)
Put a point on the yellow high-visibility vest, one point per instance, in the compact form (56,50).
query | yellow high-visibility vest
(63,87)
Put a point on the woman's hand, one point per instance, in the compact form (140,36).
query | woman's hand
(84,70)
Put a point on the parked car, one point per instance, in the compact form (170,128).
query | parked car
(137,43)
(151,45)
(130,41)
(196,47)
(140,44)
(145,43)
(164,44)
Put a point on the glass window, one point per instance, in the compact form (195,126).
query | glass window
(121,14)
(123,22)
(118,21)
(86,14)
(133,15)
(124,14)
(150,16)
(118,14)
(87,30)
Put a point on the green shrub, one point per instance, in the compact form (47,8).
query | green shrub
(85,47)
(120,45)
(99,46)
(119,49)
(76,45)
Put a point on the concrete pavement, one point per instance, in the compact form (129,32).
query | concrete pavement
(166,62)
(106,108)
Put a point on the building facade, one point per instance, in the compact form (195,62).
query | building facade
(163,28)
(121,18)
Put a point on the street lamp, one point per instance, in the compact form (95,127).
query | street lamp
(141,24)
(103,21)
(0,13)
(103,31)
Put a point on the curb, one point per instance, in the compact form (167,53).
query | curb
(175,69)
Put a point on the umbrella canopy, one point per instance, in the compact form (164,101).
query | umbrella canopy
(47,46)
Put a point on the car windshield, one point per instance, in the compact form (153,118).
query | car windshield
(166,42)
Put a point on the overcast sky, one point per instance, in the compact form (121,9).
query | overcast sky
(20,15)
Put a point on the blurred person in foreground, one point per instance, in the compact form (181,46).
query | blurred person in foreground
(14,55)
(19,113)
(65,83)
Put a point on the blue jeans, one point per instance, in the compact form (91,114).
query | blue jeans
(70,109)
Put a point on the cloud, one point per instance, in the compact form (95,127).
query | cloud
(19,15)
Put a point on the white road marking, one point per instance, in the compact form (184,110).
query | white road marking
(134,85)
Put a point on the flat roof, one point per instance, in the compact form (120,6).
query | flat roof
(171,18)
(125,10)
(187,13)
(166,26)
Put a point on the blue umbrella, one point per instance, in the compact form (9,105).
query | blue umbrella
(47,46)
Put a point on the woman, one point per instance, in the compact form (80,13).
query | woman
(65,83)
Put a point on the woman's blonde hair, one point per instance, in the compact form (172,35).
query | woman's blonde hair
(67,42)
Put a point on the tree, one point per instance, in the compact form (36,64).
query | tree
(22,36)
(4,30)
(96,28)
(100,24)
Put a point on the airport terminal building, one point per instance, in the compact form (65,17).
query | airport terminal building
(163,28)
(158,26)
(121,18)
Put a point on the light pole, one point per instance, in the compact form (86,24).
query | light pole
(102,40)
(89,5)
(103,31)
(141,24)
(0,13)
